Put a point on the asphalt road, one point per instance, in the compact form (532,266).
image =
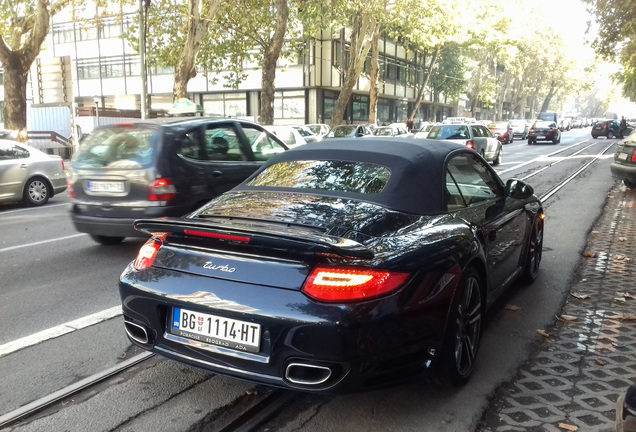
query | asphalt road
(51,275)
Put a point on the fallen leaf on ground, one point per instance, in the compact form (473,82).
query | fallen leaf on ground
(595,232)
(567,318)
(622,239)
(580,296)
(512,307)
(599,362)
(543,333)
(619,299)
(619,257)
(625,295)
(568,427)
(589,255)
(583,280)
(623,317)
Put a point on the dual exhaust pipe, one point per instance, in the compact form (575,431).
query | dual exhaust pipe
(303,374)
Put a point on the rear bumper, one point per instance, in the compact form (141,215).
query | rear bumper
(305,345)
(85,219)
(623,172)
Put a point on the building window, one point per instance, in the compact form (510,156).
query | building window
(329,105)
(63,35)
(360,107)
(289,105)
(225,104)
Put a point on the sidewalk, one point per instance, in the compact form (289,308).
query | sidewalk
(587,359)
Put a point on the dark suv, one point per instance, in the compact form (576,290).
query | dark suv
(609,129)
(160,167)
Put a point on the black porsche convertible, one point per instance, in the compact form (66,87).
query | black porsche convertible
(337,266)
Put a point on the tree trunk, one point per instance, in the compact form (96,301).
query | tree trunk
(362,30)
(420,95)
(374,79)
(270,57)
(197,30)
(17,55)
(15,82)
(548,98)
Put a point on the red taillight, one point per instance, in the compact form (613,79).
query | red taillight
(470,144)
(217,235)
(63,165)
(347,284)
(147,254)
(634,156)
(162,190)
(71,189)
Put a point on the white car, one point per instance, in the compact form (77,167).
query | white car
(319,129)
(520,128)
(287,134)
(473,135)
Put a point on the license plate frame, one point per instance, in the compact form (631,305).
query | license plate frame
(99,186)
(216,330)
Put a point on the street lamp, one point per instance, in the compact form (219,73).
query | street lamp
(96,100)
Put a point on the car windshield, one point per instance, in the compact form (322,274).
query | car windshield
(383,132)
(315,129)
(497,125)
(542,124)
(304,132)
(342,131)
(449,132)
(123,147)
(327,175)
(518,123)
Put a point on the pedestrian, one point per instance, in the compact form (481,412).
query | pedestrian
(409,125)
(622,128)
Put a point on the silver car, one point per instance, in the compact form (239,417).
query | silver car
(28,174)
(473,135)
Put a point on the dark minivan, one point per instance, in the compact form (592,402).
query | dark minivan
(160,167)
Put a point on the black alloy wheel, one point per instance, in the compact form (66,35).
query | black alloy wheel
(36,192)
(107,240)
(464,330)
(534,252)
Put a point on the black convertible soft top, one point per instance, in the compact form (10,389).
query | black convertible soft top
(417,181)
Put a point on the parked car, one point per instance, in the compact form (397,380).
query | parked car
(502,130)
(624,165)
(544,131)
(350,131)
(423,131)
(520,128)
(609,129)
(473,135)
(319,129)
(565,124)
(392,131)
(287,134)
(160,167)
(28,174)
(310,278)
(307,134)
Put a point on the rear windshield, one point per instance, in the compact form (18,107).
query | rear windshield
(449,132)
(342,131)
(121,147)
(337,176)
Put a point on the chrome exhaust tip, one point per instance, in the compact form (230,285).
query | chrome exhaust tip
(307,374)
(137,332)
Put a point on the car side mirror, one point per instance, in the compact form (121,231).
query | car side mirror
(518,189)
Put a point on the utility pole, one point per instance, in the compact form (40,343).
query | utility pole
(142,58)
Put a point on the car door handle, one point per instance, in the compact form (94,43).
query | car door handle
(217,174)
(24,165)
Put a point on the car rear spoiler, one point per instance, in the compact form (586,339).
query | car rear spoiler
(288,237)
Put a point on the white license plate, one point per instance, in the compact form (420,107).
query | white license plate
(623,156)
(216,330)
(105,186)
(540,136)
